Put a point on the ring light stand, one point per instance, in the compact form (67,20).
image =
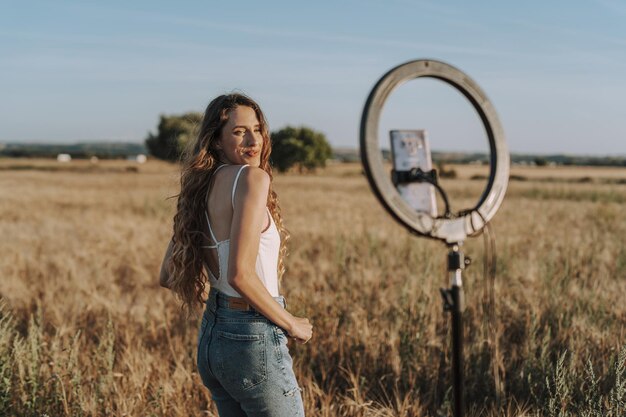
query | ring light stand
(451,229)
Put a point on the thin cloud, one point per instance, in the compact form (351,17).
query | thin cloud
(613,6)
(311,36)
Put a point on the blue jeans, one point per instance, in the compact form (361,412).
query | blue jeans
(244,361)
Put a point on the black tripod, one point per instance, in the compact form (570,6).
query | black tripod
(454,302)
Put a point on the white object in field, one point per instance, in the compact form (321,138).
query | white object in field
(64,157)
(409,149)
(139,158)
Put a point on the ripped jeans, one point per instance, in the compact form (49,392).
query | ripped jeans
(244,361)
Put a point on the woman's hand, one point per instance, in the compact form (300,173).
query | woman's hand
(301,329)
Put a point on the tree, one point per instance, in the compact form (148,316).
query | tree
(173,133)
(299,146)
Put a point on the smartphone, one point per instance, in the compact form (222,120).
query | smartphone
(409,149)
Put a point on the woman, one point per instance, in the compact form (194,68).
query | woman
(226,232)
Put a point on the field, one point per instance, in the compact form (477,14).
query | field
(86,330)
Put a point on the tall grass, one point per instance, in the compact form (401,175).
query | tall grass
(85,329)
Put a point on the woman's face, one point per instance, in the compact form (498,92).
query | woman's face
(241,140)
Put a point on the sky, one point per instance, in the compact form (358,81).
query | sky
(555,71)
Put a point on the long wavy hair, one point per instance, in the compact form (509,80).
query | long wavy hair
(187,274)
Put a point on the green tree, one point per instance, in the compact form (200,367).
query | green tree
(172,135)
(302,147)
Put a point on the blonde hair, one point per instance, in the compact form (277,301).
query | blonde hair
(187,276)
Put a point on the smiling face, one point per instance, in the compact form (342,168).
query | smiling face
(241,138)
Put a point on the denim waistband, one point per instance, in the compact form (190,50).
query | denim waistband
(219,299)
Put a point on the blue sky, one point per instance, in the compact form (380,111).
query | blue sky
(82,71)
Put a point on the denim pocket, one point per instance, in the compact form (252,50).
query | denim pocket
(241,358)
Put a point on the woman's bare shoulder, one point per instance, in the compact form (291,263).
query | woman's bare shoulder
(254,181)
(253,186)
(226,174)
(256,175)
(250,178)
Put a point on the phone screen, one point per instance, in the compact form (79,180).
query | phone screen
(409,149)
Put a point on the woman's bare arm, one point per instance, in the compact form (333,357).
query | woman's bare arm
(164,275)
(245,235)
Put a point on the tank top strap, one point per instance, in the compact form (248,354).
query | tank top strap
(206,212)
(232,198)
(210,231)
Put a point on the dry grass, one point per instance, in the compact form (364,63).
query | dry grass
(85,328)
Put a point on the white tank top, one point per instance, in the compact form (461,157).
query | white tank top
(266,260)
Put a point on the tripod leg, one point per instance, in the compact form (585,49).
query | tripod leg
(454,302)
(457,350)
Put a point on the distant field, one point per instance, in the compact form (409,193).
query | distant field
(85,328)
(556,172)
(334,169)
(530,172)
